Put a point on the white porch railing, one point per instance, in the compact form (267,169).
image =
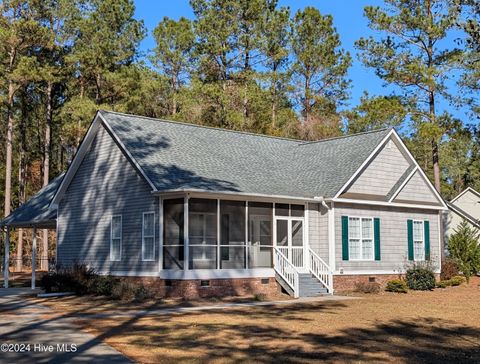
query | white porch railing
(286,270)
(320,270)
(294,254)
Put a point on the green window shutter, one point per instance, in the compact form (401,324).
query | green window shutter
(426,228)
(345,237)
(410,239)
(376,232)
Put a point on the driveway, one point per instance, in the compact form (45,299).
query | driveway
(31,333)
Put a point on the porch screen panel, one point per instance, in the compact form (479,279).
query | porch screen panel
(202,233)
(260,237)
(232,235)
(173,230)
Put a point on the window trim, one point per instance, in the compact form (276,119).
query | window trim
(422,222)
(148,236)
(372,258)
(120,238)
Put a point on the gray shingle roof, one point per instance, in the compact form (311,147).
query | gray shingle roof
(35,211)
(177,155)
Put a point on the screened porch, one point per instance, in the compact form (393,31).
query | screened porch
(219,234)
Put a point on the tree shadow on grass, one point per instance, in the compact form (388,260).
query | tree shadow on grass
(262,339)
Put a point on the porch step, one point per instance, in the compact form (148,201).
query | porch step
(310,286)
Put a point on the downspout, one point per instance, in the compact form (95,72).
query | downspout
(331,238)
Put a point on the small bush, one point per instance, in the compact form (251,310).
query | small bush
(396,285)
(420,277)
(83,280)
(444,284)
(370,287)
(449,269)
(457,280)
(129,291)
(260,297)
(103,285)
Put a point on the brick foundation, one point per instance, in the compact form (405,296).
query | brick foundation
(344,283)
(191,289)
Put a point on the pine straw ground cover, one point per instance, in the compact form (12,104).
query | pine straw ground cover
(438,326)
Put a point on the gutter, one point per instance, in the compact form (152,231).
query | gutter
(234,193)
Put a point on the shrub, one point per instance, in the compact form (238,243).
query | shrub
(457,280)
(443,283)
(464,248)
(260,297)
(103,285)
(82,280)
(396,285)
(68,279)
(449,269)
(129,291)
(420,277)
(370,287)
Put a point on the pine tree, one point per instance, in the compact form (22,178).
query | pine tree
(412,57)
(320,71)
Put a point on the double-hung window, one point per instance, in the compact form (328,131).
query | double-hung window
(148,236)
(116,238)
(418,240)
(360,238)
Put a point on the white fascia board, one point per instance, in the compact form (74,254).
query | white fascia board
(422,173)
(77,160)
(127,152)
(233,194)
(385,203)
(365,163)
(409,177)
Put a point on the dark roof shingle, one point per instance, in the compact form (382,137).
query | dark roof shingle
(177,155)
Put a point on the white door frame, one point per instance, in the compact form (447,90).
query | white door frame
(289,220)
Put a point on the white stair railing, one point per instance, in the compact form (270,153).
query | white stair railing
(286,270)
(320,270)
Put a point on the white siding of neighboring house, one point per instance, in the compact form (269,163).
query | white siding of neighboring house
(470,203)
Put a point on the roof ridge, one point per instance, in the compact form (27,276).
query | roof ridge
(299,141)
(346,136)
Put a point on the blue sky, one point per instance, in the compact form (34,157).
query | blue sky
(348,19)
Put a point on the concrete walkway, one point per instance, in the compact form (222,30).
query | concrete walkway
(52,339)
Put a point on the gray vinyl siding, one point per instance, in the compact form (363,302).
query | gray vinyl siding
(106,184)
(393,236)
(318,230)
(382,173)
(416,190)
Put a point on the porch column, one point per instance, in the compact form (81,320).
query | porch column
(185,232)
(7,258)
(34,255)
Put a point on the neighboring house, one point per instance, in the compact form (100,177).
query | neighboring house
(466,206)
(196,210)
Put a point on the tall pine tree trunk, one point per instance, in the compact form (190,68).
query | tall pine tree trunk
(9,151)
(46,165)
(21,183)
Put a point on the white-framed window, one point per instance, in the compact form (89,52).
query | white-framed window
(148,236)
(360,238)
(418,240)
(116,238)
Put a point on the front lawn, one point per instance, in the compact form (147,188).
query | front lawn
(438,326)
